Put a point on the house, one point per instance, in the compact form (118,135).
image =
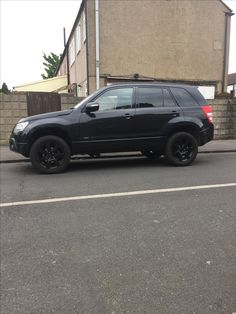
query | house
(232,82)
(170,40)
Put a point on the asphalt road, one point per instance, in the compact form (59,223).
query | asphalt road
(171,252)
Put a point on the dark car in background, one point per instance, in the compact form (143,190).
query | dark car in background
(156,119)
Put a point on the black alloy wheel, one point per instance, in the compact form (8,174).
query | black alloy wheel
(181,149)
(50,154)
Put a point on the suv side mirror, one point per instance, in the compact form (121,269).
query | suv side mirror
(92,106)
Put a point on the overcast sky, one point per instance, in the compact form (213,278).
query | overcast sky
(31,27)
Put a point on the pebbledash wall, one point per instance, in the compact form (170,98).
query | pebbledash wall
(14,107)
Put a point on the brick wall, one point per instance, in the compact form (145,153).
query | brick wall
(14,107)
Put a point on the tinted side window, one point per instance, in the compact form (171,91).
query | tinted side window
(168,100)
(150,97)
(120,98)
(183,97)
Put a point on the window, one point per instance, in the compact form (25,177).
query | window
(183,97)
(120,98)
(150,97)
(168,100)
(78,38)
(84,27)
(72,51)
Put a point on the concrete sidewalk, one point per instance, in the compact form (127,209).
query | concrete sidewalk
(216,146)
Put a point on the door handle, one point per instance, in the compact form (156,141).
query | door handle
(128,116)
(174,113)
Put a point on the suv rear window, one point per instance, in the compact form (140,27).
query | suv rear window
(183,97)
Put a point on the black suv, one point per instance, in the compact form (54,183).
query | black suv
(156,119)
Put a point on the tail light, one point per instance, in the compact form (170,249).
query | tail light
(208,112)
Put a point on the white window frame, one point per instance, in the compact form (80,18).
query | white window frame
(78,38)
(72,51)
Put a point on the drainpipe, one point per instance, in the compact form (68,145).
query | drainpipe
(97,43)
(87,43)
(67,60)
(226,49)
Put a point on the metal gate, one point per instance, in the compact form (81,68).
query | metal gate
(41,102)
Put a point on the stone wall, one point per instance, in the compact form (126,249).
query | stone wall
(68,101)
(224,118)
(14,107)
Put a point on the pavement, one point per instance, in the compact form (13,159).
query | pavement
(216,146)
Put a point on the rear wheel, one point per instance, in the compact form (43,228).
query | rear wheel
(151,154)
(50,154)
(181,149)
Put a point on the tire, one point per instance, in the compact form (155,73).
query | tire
(50,154)
(181,149)
(151,154)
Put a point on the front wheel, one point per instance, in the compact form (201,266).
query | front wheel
(181,149)
(50,154)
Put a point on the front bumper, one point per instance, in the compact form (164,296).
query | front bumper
(18,147)
(207,135)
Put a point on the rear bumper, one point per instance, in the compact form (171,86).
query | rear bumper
(206,135)
(17,147)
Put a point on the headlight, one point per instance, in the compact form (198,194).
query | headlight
(20,127)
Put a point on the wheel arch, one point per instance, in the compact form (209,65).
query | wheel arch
(192,129)
(56,131)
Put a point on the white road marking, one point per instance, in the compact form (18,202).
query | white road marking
(109,195)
